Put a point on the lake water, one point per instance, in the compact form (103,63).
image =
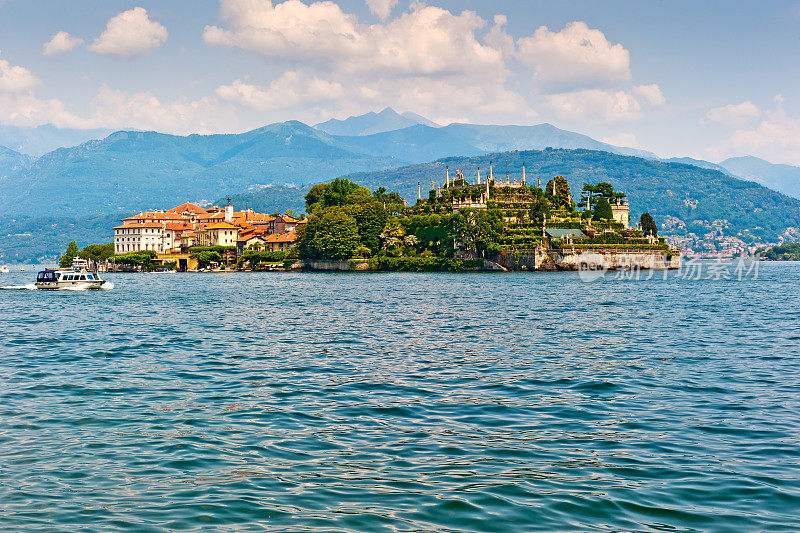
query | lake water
(402,402)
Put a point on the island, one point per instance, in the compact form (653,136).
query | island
(464,223)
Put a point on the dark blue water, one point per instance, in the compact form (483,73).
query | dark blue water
(402,402)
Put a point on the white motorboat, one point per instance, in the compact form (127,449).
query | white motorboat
(68,279)
(4,269)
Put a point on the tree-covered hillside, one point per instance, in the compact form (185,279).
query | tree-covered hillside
(696,196)
(129,171)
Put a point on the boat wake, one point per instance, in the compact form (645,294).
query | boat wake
(26,287)
(107,286)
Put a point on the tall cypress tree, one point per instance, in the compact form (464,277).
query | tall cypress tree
(648,225)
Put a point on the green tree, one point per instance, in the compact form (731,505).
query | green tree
(314,197)
(479,230)
(563,193)
(207,257)
(590,194)
(391,201)
(370,218)
(329,234)
(97,252)
(69,256)
(141,257)
(602,210)
(339,192)
(648,225)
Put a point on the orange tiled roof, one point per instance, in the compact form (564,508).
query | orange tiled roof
(178,226)
(187,207)
(282,237)
(250,236)
(148,215)
(221,225)
(139,225)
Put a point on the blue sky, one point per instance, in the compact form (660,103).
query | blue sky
(708,79)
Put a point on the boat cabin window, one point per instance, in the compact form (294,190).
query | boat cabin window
(83,278)
(46,277)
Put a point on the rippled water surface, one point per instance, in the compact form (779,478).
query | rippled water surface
(401,402)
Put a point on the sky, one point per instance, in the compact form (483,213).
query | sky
(699,78)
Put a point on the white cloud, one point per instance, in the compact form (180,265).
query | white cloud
(576,54)
(650,94)
(62,42)
(381,8)
(289,90)
(734,115)
(453,100)
(143,110)
(424,41)
(605,106)
(499,39)
(775,138)
(130,33)
(120,110)
(27,110)
(15,79)
(595,105)
(622,139)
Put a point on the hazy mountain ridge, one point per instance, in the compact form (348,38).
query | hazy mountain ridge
(782,178)
(37,141)
(12,162)
(372,123)
(128,171)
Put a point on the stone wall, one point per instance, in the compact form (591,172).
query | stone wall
(336,266)
(639,260)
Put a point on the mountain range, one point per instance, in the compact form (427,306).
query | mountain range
(132,170)
(698,199)
(371,123)
(783,178)
(75,189)
(46,138)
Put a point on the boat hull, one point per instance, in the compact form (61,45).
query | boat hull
(56,285)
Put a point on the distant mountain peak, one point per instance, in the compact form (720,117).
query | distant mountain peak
(371,123)
(781,177)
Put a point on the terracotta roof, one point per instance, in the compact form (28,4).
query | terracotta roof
(249,216)
(178,226)
(282,237)
(250,237)
(191,208)
(154,215)
(139,225)
(221,225)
